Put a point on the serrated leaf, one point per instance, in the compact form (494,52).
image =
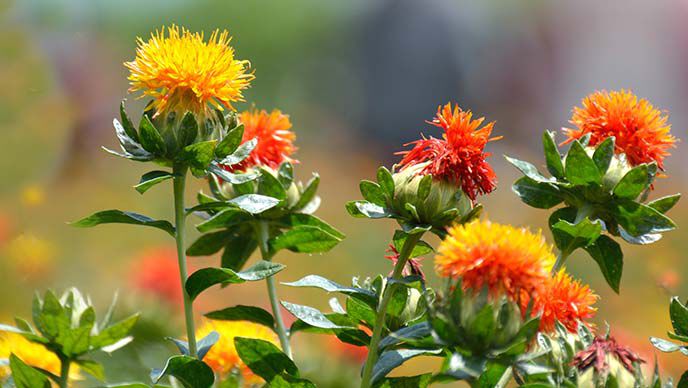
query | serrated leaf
(609,257)
(304,239)
(552,156)
(150,137)
(540,195)
(528,169)
(123,217)
(264,358)
(151,179)
(311,316)
(603,154)
(189,371)
(25,376)
(633,183)
(580,169)
(243,313)
(230,142)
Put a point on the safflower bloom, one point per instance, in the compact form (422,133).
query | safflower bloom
(603,350)
(565,300)
(223,357)
(275,139)
(458,157)
(641,131)
(502,258)
(156,273)
(182,72)
(33,354)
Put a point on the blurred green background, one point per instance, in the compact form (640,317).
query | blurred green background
(358,79)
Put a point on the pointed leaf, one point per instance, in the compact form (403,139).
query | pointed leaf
(664,204)
(385,180)
(150,137)
(188,130)
(679,316)
(208,244)
(570,237)
(372,192)
(603,154)
(255,203)
(151,179)
(243,313)
(25,376)
(608,255)
(206,343)
(580,168)
(552,156)
(391,359)
(528,169)
(633,183)
(638,219)
(264,358)
(311,316)
(190,372)
(241,153)
(541,195)
(123,217)
(127,125)
(309,192)
(230,142)
(224,219)
(304,239)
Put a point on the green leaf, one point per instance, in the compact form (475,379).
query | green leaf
(633,183)
(285,174)
(683,382)
(51,319)
(372,192)
(208,244)
(243,313)
(608,255)
(360,310)
(151,179)
(304,239)
(206,343)
(25,376)
(224,219)
(482,327)
(241,153)
(422,248)
(603,154)
(188,130)
(330,286)
(664,345)
(385,180)
(664,204)
(391,359)
(580,168)
(408,333)
(127,125)
(308,192)
(269,185)
(424,187)
(638,219)
(122,217)
(300,219)
(366,209)
(189,371)
(569,236)
(528,169)
(129,145)
(420,381)
(311,316)
(679,316)
(238,250)
(230,142)
(114,333)
(198,156)
(150,137)
(552,156)
(286,381)
(254,203)
(205,278)
(93,368)
(540,195)
(264,358)
(235,179)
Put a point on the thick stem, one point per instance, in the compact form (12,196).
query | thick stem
(263,237)
(180,221)
(406,250)
(582,212)
(64,372)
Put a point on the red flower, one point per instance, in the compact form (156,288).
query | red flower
(275,140)
(156,273)
(596,356)
(412,267)
(458,157)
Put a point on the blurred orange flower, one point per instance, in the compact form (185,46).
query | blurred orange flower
(275,139)
(156,273)
(565,300)
(641,130)
(32,354)
(500,257)
(458,157)
(183,72)
(223,357)
(346,351)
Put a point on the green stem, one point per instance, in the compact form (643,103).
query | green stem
(584,211)
(180,221)
(64,372)
(405,253)
(263,237)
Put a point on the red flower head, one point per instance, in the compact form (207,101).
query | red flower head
(459,156)
(641,130)
(275,140)
(565,300)
(596,356)
(412,267)
(156,273)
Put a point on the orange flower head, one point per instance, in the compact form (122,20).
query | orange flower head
(156,273)
(33,354)
(458,157)
(641,131)
(275,139)
(223,357)
(502,258)
(565,300)
(183,72)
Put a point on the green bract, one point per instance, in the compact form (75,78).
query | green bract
(601,193)
(67,326)
(417,202)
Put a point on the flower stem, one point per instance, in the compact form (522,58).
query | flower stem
(387,294)
(180,221)
(263,236)
(64,372)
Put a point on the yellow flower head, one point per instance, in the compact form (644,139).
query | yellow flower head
(31,256)
(182,72)
(500,257)
(31,353)
(223,357)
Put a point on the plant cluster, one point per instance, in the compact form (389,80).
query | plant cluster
(507,312)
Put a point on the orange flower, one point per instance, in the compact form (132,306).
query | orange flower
(275,140)
(641,131)
(223,357)
(500,257)
(156,273)
(458,157)
(33,354)
(183,73)
(565,300)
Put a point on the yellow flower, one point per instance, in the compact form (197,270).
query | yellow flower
(223,357)
(31,353)
(30,255)
(502,258)
(182,72)
(32,196)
